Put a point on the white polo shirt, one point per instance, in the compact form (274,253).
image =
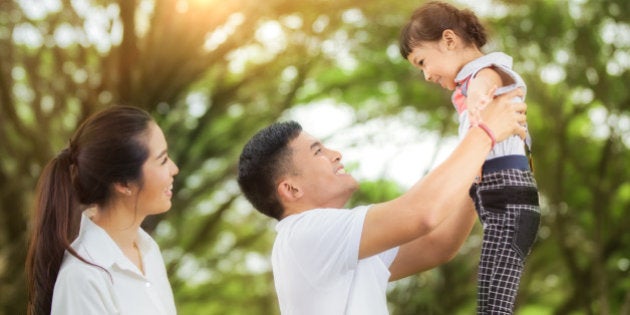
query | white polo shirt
(316,265)
(84,289)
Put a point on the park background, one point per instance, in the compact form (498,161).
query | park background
(212,72)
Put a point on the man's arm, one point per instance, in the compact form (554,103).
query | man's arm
(430,201)
(437,247)
(442,244)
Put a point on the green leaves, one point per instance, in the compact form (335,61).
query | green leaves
(214,72)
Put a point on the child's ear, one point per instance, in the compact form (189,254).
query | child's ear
(450,38)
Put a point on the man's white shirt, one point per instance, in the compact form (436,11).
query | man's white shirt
(316,267)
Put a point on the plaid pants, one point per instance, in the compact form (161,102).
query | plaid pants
(508,208)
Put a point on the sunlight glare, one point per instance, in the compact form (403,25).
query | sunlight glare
(28,35)
(392,148)
(221,34)
(292,21)
(271,36)
(552,74)
(181,6)
(65,35)
(617,34)
(599,119)
(486,8)
(39,9)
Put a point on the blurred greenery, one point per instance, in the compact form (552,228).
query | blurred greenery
(212,72)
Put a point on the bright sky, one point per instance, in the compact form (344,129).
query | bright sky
(397,148)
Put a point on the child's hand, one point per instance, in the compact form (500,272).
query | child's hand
(474,110)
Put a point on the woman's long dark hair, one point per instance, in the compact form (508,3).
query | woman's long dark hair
(107,148)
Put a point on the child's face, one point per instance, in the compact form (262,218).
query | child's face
(437,61)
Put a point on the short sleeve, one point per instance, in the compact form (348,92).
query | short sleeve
(325,242)
(388,256)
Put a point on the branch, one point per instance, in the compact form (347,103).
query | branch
(203,232)
(128,52)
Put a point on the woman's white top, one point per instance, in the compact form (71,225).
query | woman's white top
(122,289)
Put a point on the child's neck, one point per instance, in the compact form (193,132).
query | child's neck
(469,54)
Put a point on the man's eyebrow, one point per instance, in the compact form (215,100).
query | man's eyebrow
(315,144)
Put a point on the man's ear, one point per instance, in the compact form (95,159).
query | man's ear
(287,190)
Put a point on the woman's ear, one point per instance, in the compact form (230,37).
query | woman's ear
(123,189)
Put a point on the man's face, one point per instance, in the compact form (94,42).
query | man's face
(318,172)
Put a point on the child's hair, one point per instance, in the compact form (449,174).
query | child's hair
(428,22)
(109,147)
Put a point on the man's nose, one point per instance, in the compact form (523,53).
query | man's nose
(334,155)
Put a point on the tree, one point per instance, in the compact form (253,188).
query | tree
(574,58)
(211,73)
(214,72)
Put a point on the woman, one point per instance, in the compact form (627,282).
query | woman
(117,167)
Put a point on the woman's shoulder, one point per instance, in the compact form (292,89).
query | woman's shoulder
(81,288)
(74,271)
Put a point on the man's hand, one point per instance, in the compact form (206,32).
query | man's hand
(505,117)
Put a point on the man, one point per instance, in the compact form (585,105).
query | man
(329,260)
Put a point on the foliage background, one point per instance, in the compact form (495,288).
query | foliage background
(212,72)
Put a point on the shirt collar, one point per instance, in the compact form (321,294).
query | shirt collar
(101,249)
(495,58)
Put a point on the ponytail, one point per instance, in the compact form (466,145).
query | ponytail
(55,226)
(80,175)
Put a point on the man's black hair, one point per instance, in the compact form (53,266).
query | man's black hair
(264,159)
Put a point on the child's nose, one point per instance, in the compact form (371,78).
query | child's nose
(427,75)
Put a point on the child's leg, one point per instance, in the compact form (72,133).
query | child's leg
(507,202)
(508,267)
(486,262)
(488,251)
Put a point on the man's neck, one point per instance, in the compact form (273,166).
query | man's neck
(296,208)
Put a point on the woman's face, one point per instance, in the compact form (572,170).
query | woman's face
(158,171)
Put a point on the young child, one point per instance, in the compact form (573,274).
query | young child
(444,43)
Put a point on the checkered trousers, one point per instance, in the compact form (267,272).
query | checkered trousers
(508,208)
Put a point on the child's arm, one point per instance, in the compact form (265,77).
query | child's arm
(480,92)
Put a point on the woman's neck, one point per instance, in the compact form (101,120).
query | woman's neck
(120,223)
